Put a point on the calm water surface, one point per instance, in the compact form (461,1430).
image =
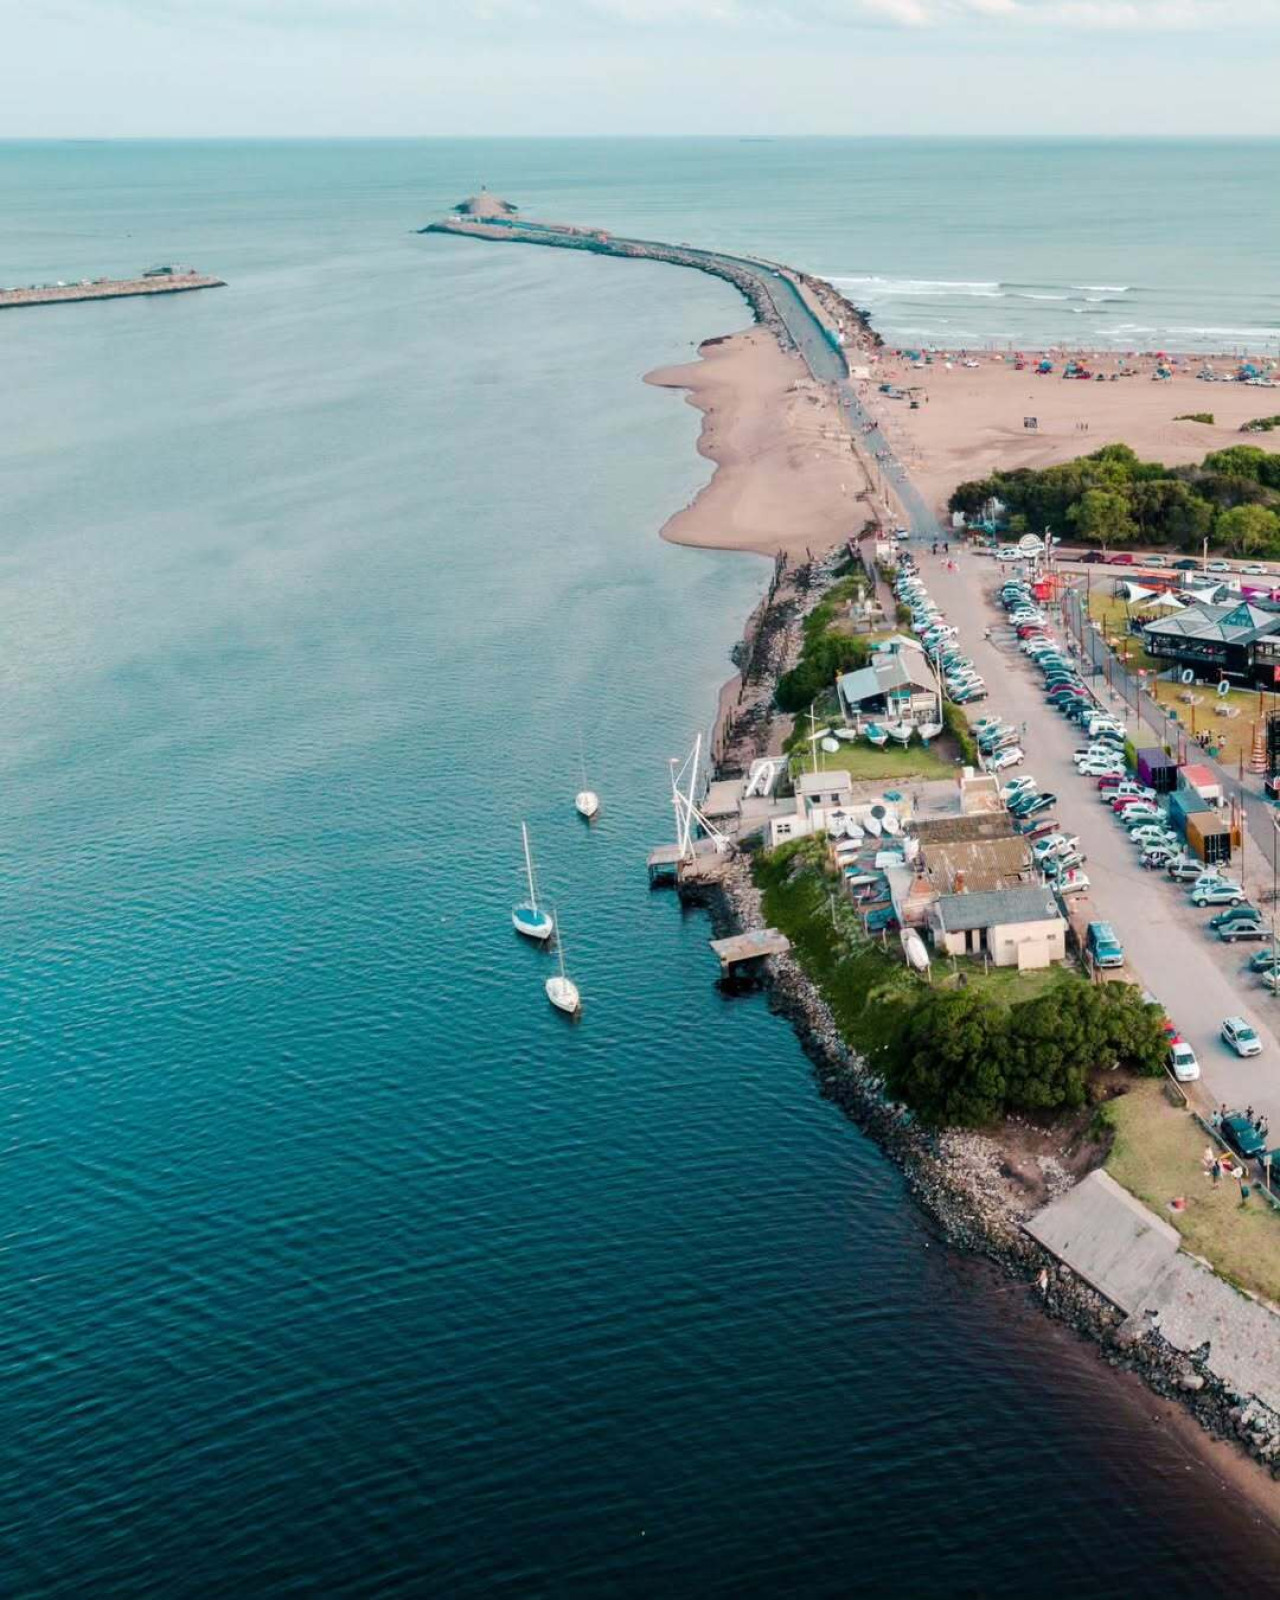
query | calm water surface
(333,1261)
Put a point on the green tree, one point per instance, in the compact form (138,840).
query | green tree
(1248,530)
(946,1063)
(1239,461)
(1101,516)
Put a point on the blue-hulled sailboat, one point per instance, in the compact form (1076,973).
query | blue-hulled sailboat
(528,918)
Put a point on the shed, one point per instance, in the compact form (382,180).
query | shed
(1184,804)
(824,790)
(1209,837)
(1203,780)
(1015,927)
(1157,769)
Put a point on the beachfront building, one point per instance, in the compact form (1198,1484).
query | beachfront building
(1020,928)
(1240,641)
(896,686)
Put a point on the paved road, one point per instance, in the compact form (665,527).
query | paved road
(1197,977)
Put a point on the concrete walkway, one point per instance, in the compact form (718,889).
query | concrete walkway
(1132,1257)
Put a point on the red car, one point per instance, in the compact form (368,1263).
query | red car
(1111,781)
(1124,559)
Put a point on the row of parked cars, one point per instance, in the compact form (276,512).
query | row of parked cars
(960,678)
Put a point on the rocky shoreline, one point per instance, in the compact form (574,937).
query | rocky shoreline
(964,1181)
(960,1179)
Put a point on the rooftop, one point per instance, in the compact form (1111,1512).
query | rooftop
(981,864)
(955,913)
(1238,623)
(833,781)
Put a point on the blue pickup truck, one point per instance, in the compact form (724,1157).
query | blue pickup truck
(1104,948)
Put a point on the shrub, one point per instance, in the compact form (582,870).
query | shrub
(1197,416)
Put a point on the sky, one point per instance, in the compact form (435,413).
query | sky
(315,68)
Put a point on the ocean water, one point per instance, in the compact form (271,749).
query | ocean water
(333,1261)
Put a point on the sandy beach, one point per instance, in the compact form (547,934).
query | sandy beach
(971,419)
(786,475)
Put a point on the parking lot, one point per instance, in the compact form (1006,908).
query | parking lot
(1168,946)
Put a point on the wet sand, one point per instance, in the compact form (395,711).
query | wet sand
(786,476)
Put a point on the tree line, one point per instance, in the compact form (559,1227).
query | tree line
(960,1057)
(1232,499)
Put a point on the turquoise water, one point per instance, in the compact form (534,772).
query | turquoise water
(334,1262)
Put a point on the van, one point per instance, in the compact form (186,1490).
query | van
(1104,948)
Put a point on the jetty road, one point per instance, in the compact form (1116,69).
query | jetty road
(1167,943)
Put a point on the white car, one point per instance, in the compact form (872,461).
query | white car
(1128,790)
(1056,844)
(1241,1037)
(1009,552)
(1073,882)
(1017,786)
(1255,569)
(1218,566)
(1182,1061)
(1012,757)
(1096,767)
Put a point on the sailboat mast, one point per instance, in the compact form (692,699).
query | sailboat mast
(528,866)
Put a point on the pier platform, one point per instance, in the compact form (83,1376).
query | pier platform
(167,282)
(743,956)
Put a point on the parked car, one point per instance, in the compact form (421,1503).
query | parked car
(1263,960)
(1241,1037)
(1037,804)
(1156,855)
(1126,789)
(1012,757)
(1185,869)
(1072,882)
(1097,767)
(1037,828)
(1235,914)
(1061,865)
(1241,1135)
(1024,785)
(1246,928)
(1182,1061)
(1217,894)
(1055,844)
(1103,946)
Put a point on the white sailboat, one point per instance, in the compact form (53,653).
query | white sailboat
(562,991)
(586,801)
(528,918)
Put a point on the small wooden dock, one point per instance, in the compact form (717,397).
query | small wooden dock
(743,956)
(163,282)
(700,865)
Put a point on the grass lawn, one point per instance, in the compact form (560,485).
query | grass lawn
(863,761)
(1232,736)
(1157,1155)
(1005,984)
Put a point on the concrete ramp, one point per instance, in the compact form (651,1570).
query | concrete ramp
(1116,1245)
(1133,1257)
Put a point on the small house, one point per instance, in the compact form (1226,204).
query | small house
(897,685)
(1015,927)
(823,791)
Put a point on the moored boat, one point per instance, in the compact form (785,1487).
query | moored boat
(528,917)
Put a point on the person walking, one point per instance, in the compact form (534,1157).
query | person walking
(1215,1171)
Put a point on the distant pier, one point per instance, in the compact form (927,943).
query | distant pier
(158,280)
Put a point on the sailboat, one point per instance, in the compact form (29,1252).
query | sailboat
(586,801)
(527,918)
(562,991)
